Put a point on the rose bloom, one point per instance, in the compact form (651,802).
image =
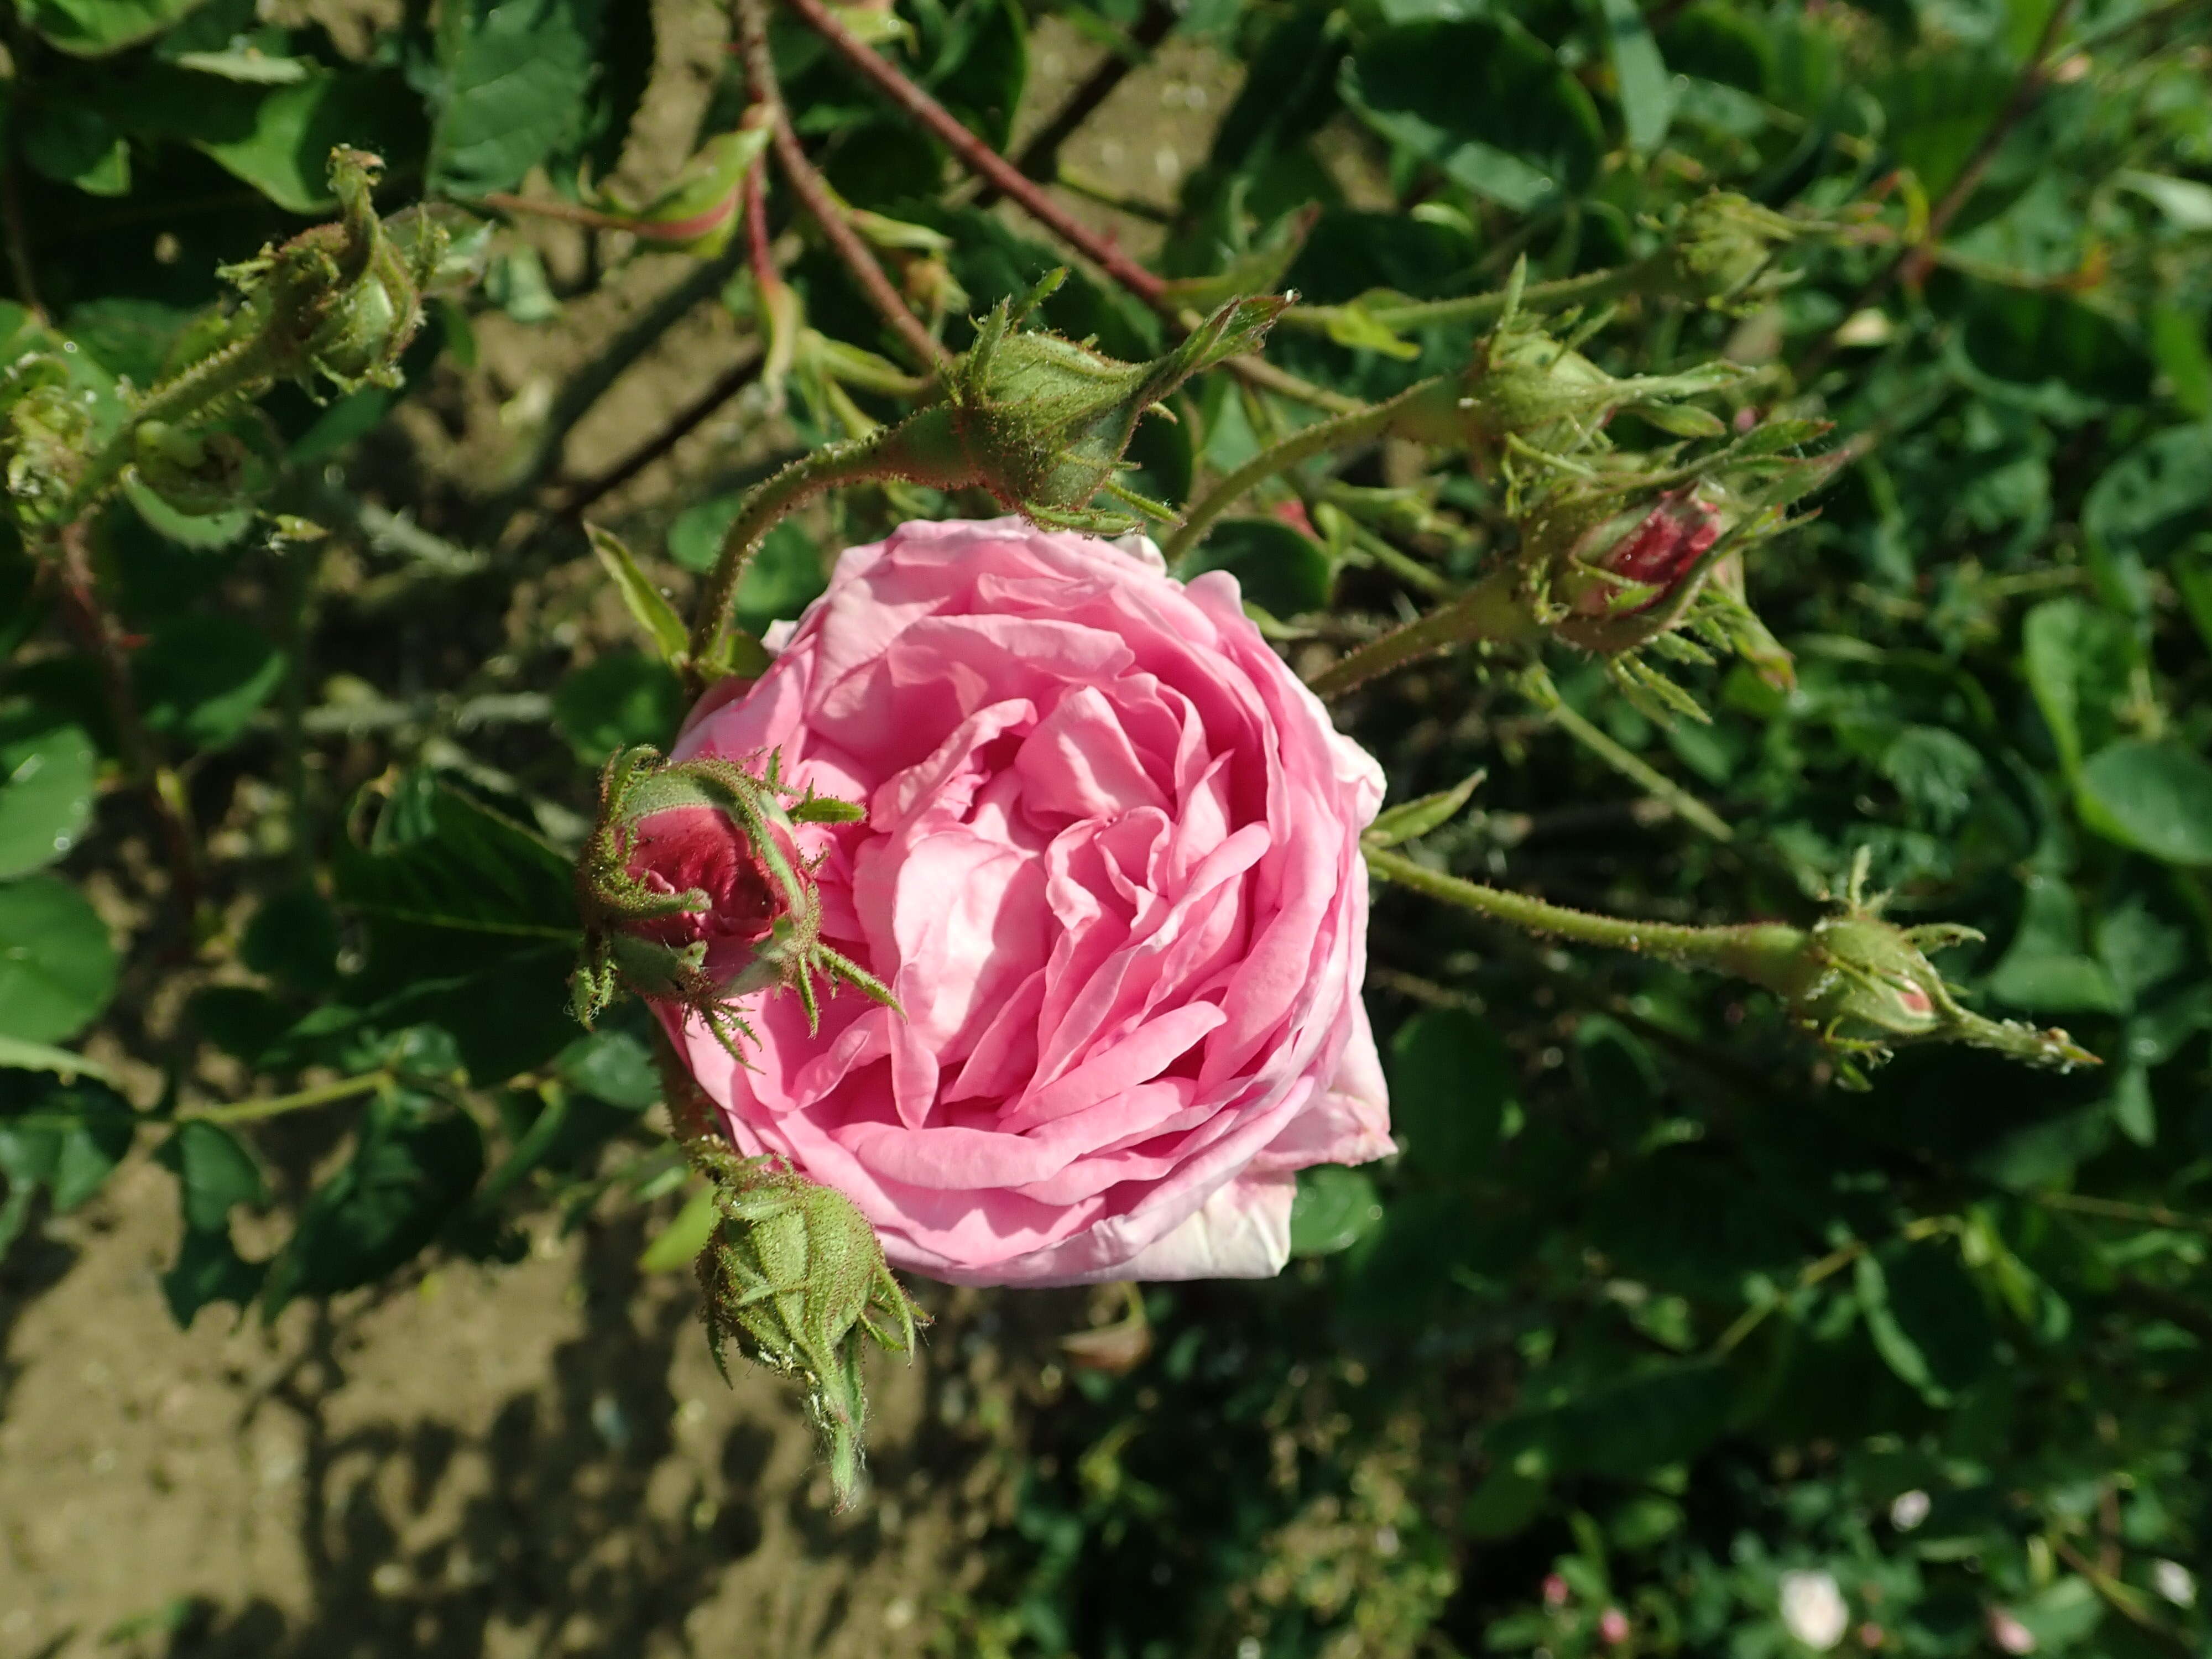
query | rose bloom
(1110,868)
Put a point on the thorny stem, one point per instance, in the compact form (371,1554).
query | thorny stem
(1720,949)
(231,369)
(2112,1209)
(1039,157)
(770,500)
(251,1111)
(1910,266)
(1489,611)
(100,640)
(979,157)
(1259,373)
(814,194)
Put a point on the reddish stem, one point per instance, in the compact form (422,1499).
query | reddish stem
(814,194)
(980,159)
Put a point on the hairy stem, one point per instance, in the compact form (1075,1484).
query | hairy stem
(1491,612)
(814,194)
(241,366)
(1729,949)
(1679,801)
(323,1094)
(877,455)
(99,639)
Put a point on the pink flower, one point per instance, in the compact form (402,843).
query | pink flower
(1555,1590)
(1111,867)
(1613,1626)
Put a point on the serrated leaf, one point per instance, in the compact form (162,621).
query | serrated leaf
(512,89)
(214,1173)
(624,698)
(1646,90)
(69,1142)
(203,679)
(648,607)
(2154,796)
(93,28)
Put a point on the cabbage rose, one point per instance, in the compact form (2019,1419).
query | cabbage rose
(1109,867)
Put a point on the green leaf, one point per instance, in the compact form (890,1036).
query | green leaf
(2078,660)
(278,139)
(1282,572)
(403,1182)
(2153,500)
(214,1172)
(69,1142)
(2045,969)
(1334,1209)
(47,770)
(1928,1321)
(74,144)
(1647,92)
(93,28)
(1451,1079)
(648,607)
(625,697)
(1409,819)
(512,89)
(203,679)
(613,1066)
(293,939)
(57,966)
(462,871)
(1487,101)
(209,1269)
(2154,796)
(677,1245)
(1660,1414)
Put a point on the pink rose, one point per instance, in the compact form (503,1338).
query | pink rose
(696,848)
(1111,867)
(1656,552)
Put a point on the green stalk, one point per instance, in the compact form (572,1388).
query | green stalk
(1489,612)
(1474,308)
(1357,427)
(1742,951)
(918,449)
(1626,761)
(241,365)
(251,1111)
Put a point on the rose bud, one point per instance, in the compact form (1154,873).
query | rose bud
(694,890)
(1110,868)
(795,1277)
(1042,421)
(1861,985)
(1718,251)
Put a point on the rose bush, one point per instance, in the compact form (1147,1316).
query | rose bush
(1110,868)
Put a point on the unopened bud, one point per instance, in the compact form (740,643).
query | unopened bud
(1719,249)
(694,892)
(1862,985)
(1042,421)
(795,1277)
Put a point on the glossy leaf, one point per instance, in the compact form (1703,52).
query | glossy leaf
(57,966)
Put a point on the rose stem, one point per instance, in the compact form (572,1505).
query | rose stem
(1491,612)
(1729,950)
(978,156)
(1334,433)
(814,194)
